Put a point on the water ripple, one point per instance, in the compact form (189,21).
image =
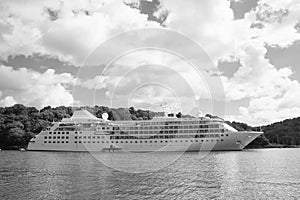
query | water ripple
(256,174)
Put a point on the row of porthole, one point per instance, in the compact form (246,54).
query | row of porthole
(161,141)
(59,133)
(56,142)
(54,137)
(89,137)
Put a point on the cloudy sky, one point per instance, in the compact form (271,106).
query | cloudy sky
(238,59)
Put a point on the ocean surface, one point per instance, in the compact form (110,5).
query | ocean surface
(248,174)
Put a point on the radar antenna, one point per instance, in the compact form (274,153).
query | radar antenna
(105,116)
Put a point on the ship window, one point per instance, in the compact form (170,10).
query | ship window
(75,141)
(222,140)
(58,132)
(191,140)
(84,137)
(54,132)
(107,142)
(62,137)
(79,141)
(54,137)
(67,137)
(45,141)
(126,141)
(49,137)
(45,137)
(98,137)
(196,140)
(62,142)
(67,132)
(83,141)
(93,141)
(98,142)
(57,141)
(89,137)
(94,137)
(130,141)
(75,132)
(121,141)
(117,142)
(49,142)
(227,135)
(75,137)
(50,132)
(135,141)
(141,141)
(102,141)
(222,135)
(58,137)
(53,141)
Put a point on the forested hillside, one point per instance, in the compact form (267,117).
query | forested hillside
(18,124)
(286,132)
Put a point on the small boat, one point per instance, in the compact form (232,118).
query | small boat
(111,149)
(22,149)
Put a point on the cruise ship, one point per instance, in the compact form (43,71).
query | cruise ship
(85,132)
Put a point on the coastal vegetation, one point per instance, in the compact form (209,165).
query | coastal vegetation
(18,124)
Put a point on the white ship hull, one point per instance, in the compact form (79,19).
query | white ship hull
(230,141)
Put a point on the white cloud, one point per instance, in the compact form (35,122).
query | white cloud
(209,23)
(78,29)
(278,20)
(98,82)
(33,88)
(272,94)
(256,77)
(7,101)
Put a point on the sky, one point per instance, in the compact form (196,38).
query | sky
(237,59)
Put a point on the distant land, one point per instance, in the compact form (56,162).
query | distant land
(18,124)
